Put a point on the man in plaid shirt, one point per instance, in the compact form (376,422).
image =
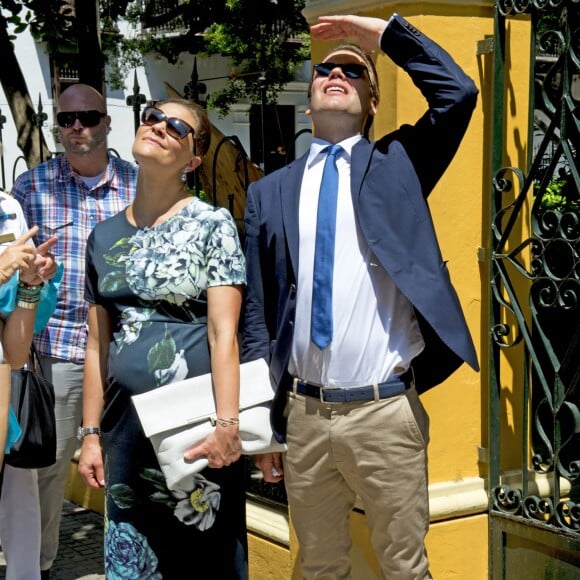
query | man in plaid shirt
(66,197)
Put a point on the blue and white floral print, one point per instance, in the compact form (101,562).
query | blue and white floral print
(195,504)
(172,262)
(128,554)
(132,322)
(177,371)
(180,258)
(153,282)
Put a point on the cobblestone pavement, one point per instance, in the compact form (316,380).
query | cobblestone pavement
(80,555)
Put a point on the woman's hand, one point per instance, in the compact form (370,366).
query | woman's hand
(91,462)
(44,266)
(18,256)
(222,447)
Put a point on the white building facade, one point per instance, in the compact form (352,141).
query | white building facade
(44,80)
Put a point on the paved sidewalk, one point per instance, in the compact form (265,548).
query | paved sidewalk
(80,553)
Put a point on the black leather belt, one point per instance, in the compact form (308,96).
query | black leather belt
(390,388)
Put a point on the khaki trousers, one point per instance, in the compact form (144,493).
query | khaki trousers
(376,450)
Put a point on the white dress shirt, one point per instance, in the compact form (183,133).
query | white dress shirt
(375,332)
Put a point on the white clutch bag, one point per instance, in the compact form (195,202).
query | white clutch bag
(176,416)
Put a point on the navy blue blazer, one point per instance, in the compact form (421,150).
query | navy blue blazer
(390,181)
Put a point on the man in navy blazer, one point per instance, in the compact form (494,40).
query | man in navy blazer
(349,412)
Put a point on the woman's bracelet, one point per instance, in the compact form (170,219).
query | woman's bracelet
(31,287)
(227,422)
(27,305)
(27,295)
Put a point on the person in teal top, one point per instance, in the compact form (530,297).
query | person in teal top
(29,279)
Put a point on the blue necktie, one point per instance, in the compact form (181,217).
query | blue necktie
(321,328)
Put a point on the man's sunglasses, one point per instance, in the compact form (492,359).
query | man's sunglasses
(89,118)
(175,127)
(350,70)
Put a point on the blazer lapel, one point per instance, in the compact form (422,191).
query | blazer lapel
(291,183)
(360,159)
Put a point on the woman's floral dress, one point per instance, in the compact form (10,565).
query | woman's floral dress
(152,282)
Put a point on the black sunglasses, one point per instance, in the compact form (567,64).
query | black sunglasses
(175,127)
(89,118)
(350,70)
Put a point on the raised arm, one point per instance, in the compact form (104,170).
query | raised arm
(21,256)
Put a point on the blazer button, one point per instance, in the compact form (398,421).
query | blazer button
(292,288)
(412,29)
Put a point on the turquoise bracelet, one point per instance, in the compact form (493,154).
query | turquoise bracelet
(28,293)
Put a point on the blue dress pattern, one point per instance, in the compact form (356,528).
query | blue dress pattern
(152,282)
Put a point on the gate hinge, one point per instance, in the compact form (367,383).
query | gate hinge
(486,45)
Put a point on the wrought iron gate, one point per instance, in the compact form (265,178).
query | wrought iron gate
(534,477)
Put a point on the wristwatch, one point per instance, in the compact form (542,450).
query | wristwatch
(84,431)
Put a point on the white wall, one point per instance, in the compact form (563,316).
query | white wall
(151,78)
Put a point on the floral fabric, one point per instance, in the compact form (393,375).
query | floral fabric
(152,282)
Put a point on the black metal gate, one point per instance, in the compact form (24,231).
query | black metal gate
(534,477)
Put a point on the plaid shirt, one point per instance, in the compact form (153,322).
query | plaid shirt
(53,197)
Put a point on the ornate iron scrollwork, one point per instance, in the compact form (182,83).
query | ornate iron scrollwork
(544,270)
(507,499)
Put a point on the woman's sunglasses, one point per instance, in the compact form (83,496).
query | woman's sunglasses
(91,118)
(175,127)
(350,70)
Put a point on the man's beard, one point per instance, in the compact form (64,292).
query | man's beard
(83,147)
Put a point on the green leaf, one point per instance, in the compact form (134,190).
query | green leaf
(122,495)
(163,498)
(154,476)
(162,355)
(113,281)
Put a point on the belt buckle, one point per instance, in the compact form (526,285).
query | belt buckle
(321,395)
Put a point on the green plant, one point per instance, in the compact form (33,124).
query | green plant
(559,195)
(201,194)
(265,40)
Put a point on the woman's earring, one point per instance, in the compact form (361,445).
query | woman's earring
(183,176)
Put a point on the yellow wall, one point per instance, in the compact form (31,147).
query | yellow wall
(460,214)
(267,560)
(457,549)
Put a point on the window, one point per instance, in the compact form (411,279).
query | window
(274,146)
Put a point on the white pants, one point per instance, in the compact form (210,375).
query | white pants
(20,524)
(67,378)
